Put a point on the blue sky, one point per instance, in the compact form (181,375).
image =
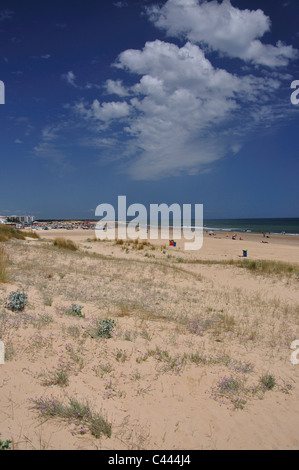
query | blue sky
(178,101)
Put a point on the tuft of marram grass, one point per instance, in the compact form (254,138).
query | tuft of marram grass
(58,377)
(3,265)
(31,235)
(256,266)
(61,242)
(6,233)
(76,412)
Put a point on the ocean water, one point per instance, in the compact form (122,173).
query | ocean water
(289,226)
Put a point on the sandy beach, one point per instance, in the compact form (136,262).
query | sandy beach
(199,355)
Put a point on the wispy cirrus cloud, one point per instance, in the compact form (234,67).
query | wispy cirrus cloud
(43,56)
(71,80)
(52,148)
(6,15)
(61,25)
(120,4)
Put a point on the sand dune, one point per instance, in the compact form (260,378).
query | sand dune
(199,355)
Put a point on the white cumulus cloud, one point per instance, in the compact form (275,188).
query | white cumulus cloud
(182,113)
(106,111)
(223,28)
(116,87)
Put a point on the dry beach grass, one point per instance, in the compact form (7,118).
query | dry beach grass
(147,346)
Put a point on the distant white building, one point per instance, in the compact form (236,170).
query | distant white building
(24,219)
(28,219)
(3,219)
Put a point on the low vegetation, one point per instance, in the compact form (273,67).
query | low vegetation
(64,244)
(3,264)
(5,445)
(16,301)
(75,412)
(75,311)
(256,266)
(135,334)
(136,244)
(7,232)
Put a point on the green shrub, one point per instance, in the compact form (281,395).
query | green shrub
(76,310)
(5,445)
(100,328)
(106,328)
(16,301)
(268,381)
